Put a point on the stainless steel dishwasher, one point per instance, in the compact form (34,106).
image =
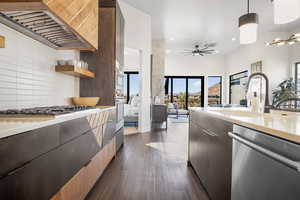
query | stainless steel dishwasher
(264,167)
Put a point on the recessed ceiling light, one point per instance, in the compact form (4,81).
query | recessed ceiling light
(233,39)
(172,39)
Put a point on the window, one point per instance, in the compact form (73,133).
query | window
(131,85)
(185,91)
(214,90)
(297,78)
(238,83)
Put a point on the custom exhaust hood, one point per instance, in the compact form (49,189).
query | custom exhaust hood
(53,23)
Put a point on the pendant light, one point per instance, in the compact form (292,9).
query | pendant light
(248,25)
(286,11)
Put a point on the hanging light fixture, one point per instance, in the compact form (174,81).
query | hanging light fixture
(295,38)
(286,11)
(248,25)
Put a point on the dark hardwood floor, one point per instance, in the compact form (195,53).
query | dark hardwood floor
(151,166)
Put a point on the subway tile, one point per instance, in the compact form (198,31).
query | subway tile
(27,74)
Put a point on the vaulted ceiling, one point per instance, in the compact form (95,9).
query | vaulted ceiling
(190,21)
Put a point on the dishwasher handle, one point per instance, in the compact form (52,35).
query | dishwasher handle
(284,160)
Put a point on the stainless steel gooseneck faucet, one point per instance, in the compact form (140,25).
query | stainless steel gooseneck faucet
(267,102)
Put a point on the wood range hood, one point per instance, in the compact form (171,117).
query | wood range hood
(60,24)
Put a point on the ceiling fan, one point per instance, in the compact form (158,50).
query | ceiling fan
(201,50)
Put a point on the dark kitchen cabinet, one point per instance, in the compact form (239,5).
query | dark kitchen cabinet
(119,139)
(43,177)
(198,152)
(210,150)
(73,128)
(110,127)
(20,149)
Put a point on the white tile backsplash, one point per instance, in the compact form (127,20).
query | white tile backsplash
(27,75)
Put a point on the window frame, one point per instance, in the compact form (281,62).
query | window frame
(230,85)
(187,87)
(127,74)
(296,77)
(221,88)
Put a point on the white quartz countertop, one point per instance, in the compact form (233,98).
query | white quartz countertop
(276,124)
(10,128)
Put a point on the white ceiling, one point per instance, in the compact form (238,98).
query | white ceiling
(191,21)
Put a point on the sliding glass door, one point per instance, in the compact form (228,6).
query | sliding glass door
(179,92)
(185,91)
(195,92)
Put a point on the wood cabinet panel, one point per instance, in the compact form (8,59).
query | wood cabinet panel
(81,15)
(103,61)
(80,184)
(76,188)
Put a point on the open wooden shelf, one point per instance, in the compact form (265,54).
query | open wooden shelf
(74,71)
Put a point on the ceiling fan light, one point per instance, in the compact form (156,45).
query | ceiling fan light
(286,11)
(297,35)
(281,43)
(248,25)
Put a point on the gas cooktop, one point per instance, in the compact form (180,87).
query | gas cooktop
(53,110)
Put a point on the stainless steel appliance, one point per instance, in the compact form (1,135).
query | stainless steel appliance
(264,167)
(43,26)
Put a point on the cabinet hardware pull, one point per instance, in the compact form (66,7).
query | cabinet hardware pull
(88,163)
(15,171)
(284,160)
(209,133)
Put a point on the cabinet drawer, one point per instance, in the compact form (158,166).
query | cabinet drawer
(17,150)
(72,129)
(80,184)
(44,176)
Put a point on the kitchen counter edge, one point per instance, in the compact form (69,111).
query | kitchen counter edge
(10,128)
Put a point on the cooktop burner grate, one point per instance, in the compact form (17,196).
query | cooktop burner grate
(53,110)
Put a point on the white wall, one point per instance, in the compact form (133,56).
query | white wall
(27,76)
(276,64)
(182,65)
(132,62)
(138,36)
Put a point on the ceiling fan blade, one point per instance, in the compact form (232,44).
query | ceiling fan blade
(210,50)
(213,44)
(204,48)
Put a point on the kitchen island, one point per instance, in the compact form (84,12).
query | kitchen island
(59,158)
(216,136)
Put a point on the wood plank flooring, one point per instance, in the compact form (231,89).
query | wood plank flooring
(151,166)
